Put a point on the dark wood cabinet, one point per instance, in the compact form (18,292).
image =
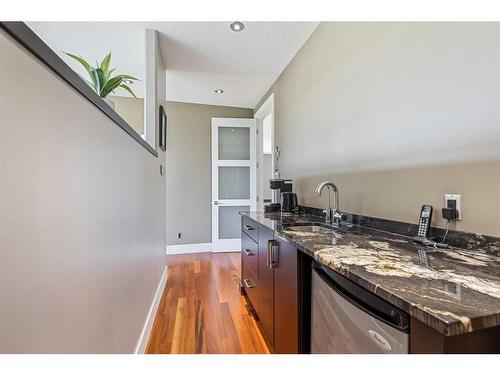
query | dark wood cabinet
(250,228)
(425,340)
(250,253)
(265,308)
(286,301)
(270,280)
(249,268)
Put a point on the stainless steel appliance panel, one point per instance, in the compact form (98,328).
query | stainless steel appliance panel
(338,326)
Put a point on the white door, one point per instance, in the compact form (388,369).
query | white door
(233,179)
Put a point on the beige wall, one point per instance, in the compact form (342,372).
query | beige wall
(188,169)
(82,218)
(267,174)
(396,114)
(131,110)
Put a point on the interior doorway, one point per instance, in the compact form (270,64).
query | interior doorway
(265,151)
(233,179)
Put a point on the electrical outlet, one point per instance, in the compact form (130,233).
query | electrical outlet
(179,234)
(454,201)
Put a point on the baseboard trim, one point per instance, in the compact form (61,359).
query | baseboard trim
(232,250)
(189,248)
(148,324)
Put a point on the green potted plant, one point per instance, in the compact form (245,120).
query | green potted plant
(101,80)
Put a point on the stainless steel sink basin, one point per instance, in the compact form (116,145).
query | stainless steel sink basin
(310,229)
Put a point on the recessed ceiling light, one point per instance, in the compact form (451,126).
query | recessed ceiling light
(219,91)
(128,81)
(237,26)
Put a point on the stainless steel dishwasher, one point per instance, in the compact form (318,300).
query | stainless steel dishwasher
(347,318)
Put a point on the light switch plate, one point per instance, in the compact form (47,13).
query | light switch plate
(458,199)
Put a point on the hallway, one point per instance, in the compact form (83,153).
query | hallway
(201,310)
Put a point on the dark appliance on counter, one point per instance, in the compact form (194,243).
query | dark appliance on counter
(277,186)
(289,203)
(424,222)
(347,318)
(424,226)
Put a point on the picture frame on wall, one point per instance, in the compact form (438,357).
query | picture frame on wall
(163,129)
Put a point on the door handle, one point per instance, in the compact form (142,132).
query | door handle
(216,203)
(247,227)
(248,283)
(248,252)
(272,262)
(274,254)
(268,255)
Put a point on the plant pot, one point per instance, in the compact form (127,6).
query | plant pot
(110,102)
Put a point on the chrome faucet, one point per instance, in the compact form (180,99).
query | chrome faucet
(331,214)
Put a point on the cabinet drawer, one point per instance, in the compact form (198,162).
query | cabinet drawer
(250,284)
(250,253)
(250,227)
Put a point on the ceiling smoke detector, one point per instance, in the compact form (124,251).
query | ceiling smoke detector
(237,26)
(219,91)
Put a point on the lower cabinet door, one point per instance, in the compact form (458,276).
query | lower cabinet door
(250,284)
(265,306)
(250,253)
(286,303)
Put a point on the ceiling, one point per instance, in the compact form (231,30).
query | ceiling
(200,56)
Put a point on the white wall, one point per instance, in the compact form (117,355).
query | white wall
(131,110)
(267,174)
(396,114)
(153,61)
(82,218)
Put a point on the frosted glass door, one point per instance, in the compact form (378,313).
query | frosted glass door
(234,182)
(233,179)
(234,143)
(229,221)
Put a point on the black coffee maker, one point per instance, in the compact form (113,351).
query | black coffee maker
(289,203)
(278,187)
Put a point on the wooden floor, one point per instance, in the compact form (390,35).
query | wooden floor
(201,310)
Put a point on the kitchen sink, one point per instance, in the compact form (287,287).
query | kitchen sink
(321,227)
(311,229)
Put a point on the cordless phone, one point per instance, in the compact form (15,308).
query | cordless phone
(424,224)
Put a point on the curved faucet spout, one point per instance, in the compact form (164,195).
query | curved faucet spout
(331,214)
(320,187)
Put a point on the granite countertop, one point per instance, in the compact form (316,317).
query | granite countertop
(454,291)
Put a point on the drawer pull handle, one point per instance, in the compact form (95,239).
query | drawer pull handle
(248,227)
(248,284)
(248,252)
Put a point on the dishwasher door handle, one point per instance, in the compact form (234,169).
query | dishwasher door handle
(388,315)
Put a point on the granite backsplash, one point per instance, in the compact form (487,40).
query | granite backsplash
(463,240)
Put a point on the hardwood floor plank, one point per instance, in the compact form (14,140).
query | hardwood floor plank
(179,328)
(197,266)
(201,310)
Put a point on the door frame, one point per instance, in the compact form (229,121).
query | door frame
(226,245)
(267,108)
